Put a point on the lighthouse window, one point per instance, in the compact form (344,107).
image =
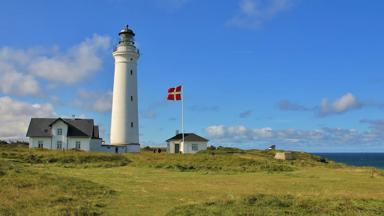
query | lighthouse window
(131,98)
(131,59)
(131,72)
(131,124)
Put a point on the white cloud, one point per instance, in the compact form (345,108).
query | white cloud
(20,68)
(93,101)
(375,125)
(15,116)
(343,104)
(253,13)
(13,82)
(216,131)
(73,66)
(239,135)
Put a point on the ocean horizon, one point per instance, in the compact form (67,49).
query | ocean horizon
(356,159)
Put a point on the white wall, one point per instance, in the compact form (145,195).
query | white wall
(47,144)
(34,141)
(63,138)
(186,147)
(96,145)
(121,149)
(84,143)
(171,146)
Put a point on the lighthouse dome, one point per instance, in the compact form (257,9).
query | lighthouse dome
(127,30)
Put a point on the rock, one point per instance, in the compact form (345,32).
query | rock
(284,156)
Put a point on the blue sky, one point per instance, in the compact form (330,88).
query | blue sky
(305,75)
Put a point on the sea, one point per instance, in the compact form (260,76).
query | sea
(356,159)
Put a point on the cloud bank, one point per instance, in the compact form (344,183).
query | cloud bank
(341,105)
(24,67)
(93,101)
(15,116)
(238,134)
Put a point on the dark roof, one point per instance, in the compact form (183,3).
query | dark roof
(188,137)
(41,127)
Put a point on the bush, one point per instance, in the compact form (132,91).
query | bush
(211,148)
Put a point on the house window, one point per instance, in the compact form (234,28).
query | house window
(195,147)
(132,124)
(40,144)
(59,131)
(78,143)
(59,145)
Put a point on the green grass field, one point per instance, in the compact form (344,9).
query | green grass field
(216,182)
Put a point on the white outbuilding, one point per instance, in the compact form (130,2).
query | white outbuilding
(192,144)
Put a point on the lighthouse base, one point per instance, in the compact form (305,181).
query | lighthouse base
(121,148)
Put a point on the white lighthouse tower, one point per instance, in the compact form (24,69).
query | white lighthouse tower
(125,120)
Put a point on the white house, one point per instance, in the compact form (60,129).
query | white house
(66,134)
(192,144)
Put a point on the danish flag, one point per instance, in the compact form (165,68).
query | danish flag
(174,94)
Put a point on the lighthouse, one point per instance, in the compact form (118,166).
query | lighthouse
(125,119)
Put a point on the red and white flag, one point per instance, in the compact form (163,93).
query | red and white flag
(174,94)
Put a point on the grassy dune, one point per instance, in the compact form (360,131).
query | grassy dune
(27,192)
(219,182)
(284,205)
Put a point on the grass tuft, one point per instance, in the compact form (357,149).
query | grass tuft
(228,160)
(65,158)
(260,205)
(35,193)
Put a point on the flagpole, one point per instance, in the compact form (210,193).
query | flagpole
(182,112)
